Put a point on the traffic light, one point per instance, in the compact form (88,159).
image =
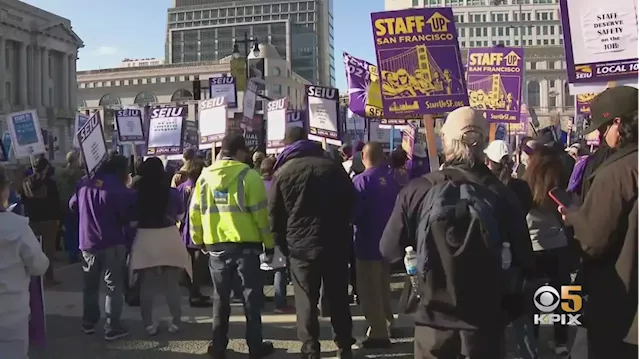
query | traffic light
(196,90)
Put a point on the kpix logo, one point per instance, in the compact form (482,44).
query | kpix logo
(547,300)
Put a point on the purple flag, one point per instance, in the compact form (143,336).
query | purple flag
(363,82)
(583,104)
(419,60)
(409,139)
(600,40)
(494,79)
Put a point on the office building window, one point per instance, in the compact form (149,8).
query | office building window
(303,6)
(533,94)
(552,101)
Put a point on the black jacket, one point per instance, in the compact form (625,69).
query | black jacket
(438,308)
(41,199)
(311,203)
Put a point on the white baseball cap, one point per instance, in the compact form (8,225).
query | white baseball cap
(497,150)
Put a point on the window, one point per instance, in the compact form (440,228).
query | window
(552,66)
(7,57)
(552,101)
(532,65)
(478,31)
(552,83)
(533,94)
(414,3)
(569,99)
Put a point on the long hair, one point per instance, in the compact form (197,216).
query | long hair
(153,193)
(628,130)
(543,173)
(266,168)
(467,151)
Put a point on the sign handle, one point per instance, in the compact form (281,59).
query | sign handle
(430,137)
(493,128)
(324,144)
(391,138)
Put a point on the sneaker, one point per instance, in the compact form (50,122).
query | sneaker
(172,328)
(152,329)
(561,350)
(115,334)
(88,329)
(265,350)
(371,343)
(345,354)
(285,310)
(213,354)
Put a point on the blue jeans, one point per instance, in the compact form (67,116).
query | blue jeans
(111,262)
(237,269)
(280,281)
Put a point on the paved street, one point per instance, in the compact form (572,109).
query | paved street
(65,339)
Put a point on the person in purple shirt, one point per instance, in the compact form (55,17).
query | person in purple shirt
(377,191)
(105,207)
(199,260)
(418,165)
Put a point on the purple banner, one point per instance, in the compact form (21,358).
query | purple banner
(520,128)
(583,104)
(419,61)
(494,79)
(600,42)
(363,82)
(409,139)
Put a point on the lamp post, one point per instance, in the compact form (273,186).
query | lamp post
(246,41)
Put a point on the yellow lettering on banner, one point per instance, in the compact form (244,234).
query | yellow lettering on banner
(494,59)
(399,25)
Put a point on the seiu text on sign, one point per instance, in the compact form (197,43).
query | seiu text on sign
(222,80)
(88,127)
(322,92)
(128,113)
(279,104)
(167,112)
(212,103)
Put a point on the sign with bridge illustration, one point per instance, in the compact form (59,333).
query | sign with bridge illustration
(494,79)
(419,62)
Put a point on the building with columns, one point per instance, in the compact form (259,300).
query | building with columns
(38,53)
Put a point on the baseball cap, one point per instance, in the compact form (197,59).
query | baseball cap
(497,150)
(258,156)
(463,120)
(611,103)
(418,150)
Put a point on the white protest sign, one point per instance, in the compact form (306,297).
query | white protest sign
(80,120)
(212,121)
(92,145)
(224,86)
(165,130)
(276,122)
(322,113)
(249,100)
(26,135)
(129,126)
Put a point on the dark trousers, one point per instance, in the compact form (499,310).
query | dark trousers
(554,264)
(435,343)
(237,269)
(307,277)
(199,263)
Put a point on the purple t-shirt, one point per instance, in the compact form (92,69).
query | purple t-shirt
(185,189)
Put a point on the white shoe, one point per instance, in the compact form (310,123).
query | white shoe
(561,350)
(172,328)
(152,329)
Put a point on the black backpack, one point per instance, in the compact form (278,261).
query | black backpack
(459,245)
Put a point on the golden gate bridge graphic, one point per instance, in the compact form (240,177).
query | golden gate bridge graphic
(489,93)
(415,73)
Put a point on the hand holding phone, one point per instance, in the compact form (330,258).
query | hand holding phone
(560,197)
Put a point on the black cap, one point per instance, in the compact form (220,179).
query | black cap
(232,143)
(613,102)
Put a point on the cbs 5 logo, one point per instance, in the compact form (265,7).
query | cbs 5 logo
(547,299)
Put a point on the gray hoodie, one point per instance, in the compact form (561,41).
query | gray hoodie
(21,257)
(545,229)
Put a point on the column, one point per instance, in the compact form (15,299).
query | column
(44,74)
(3,76)
(73,82)
(37,77)
(23,95)
(65,81)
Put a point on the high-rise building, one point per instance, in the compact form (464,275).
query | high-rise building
(533,24)
(300,30)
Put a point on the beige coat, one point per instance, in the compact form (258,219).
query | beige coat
(158,247)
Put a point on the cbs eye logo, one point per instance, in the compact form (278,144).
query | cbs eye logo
(547,300)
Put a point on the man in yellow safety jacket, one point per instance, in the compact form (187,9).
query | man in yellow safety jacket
(228,219)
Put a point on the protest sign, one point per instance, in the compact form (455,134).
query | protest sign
(276,122)
(249,100)
(92,144)
(583,104)
(494,80)
(419,62)
(363,82)
(212,121)
(80,120)
(26,135)
(322,113)
(520,128)
(224,86)
(409,135)
(600,40)
(129,125)
(166,127)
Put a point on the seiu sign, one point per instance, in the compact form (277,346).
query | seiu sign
(277,105)
(225,80)
(323,92)
(212,103)
(294,116)
(168,112)
(128,113)
(88,128)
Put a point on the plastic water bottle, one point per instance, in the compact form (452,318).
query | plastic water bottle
(506,255)
(411,261)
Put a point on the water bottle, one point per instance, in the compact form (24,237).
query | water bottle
(506,255)
(411,261)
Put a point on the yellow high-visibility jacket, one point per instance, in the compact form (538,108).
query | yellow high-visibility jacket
(229,205)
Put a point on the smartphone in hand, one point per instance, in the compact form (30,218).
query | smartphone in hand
(561,197)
